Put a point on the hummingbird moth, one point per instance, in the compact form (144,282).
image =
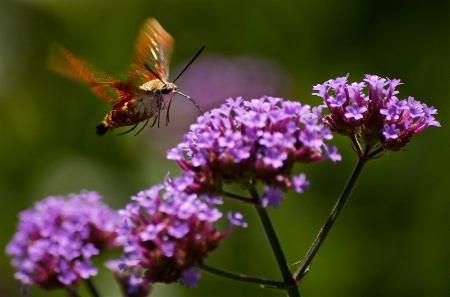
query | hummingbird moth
(147,91)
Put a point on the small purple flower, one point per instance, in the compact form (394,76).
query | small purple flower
(130,280)
(272,197)
(251,141)
(84,268)
(56,239)
(168,232)
(355,112)
(237,219)
(190,277)
(299,183)
(390,131)
(376,118)
(338,101)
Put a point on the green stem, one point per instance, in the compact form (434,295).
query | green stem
(376,152)
(92,288)
(356,144)
(340,203)
(72,292)
(245,278)
(238,197)
(290,282)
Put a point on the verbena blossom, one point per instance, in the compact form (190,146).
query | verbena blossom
(245,142)
(374,116)
(56,239)
(167,233)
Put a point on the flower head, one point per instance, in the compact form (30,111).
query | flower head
(56,239)
(377,117)
(167,234)
(247,141)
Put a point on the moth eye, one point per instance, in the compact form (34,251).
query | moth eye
(165,90)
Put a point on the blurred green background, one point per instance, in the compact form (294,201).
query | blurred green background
(392,238)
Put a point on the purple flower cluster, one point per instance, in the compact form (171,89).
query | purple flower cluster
(248,141)
(376,118)
(56,239)
(166,235)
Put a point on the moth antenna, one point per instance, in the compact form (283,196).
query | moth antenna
(192,100)
(189,64)
(154,73)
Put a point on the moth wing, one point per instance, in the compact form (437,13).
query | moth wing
(154,47)
(105,85)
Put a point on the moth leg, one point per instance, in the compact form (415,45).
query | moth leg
(128,131)
(157,117)
(146,122)
(167,114)
(154,121)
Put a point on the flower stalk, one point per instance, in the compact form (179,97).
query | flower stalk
(266,283)
(92,288)
(340,203)
(276,247)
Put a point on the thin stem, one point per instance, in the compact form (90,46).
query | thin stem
(92,289)
(276,247)
(238,197)
(376,152)
(245,278)
(340,203)
(72,292)
(356,144)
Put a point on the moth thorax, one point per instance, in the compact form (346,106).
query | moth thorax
(157,85)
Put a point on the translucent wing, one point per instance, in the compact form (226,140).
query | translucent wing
(153,48)
(104,85)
